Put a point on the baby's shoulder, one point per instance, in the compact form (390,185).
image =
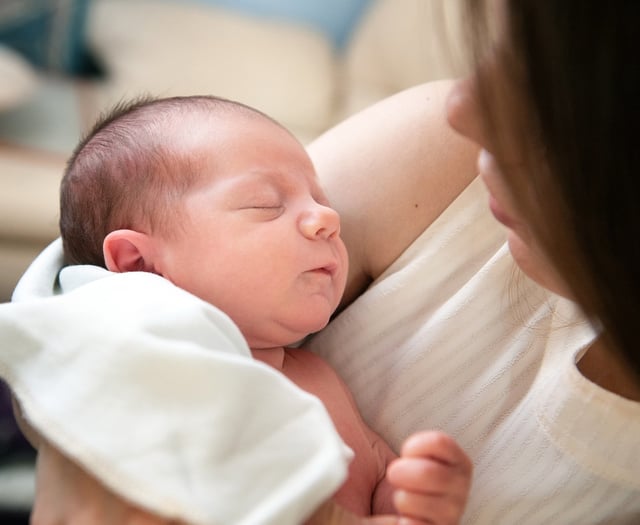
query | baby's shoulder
(304,363)
(306,357)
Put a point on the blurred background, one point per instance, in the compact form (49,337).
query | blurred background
(307,63)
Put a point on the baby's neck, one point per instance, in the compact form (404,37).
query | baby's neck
(273,357)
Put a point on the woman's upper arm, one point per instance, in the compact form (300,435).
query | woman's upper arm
(390,171)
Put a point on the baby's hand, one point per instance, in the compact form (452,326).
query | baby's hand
(432,478)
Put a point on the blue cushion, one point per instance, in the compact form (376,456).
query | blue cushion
(49,33)
(334,18)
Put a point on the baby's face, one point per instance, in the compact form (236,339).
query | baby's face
(259,240)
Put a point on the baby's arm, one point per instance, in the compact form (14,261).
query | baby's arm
(429,482)
(432,478)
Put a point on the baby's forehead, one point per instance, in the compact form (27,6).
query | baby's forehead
(218,114)
(228,141)
(195,128)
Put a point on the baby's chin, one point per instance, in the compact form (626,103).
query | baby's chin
(291,334)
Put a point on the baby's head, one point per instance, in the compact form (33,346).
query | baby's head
(219,199)
(132,168)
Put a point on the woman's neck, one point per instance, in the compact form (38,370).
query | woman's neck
(608,370)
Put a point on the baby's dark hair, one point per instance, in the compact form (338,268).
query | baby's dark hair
(125,173)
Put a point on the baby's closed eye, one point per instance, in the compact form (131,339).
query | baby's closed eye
(264,211)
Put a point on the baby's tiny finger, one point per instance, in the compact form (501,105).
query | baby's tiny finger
(437,445)
(429,509)
(427,476)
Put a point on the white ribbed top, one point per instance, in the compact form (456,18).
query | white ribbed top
(453,337)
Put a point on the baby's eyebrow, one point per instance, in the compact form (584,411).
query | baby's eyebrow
(282,182)
(254,184)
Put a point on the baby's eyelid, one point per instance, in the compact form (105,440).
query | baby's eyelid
(265,202)
(270,207)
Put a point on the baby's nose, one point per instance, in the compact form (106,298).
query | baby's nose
(320,222)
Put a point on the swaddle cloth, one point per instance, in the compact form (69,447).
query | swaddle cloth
(155,392)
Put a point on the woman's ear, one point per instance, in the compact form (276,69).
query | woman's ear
(128,251)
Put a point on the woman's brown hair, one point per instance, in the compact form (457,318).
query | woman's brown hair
(571,67)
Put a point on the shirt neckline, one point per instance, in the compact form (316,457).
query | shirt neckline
(596,427)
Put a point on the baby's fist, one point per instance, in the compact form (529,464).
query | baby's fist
(432,478)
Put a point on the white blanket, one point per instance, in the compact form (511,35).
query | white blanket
(155,392)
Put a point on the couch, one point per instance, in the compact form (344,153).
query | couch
(308,64)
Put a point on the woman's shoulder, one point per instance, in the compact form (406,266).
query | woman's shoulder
(390,171)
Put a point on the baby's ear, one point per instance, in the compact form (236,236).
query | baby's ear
(128,251)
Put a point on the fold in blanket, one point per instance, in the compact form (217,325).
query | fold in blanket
(155,392)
